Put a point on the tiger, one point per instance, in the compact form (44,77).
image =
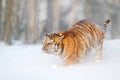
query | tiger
(72,44)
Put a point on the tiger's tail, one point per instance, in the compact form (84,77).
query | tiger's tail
(106,23)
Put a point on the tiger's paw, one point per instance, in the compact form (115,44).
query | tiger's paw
(98,59)
(68,64)
(71,61)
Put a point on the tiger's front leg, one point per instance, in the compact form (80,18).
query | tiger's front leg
(98,55)
(73,59)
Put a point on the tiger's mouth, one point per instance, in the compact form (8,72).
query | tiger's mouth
(48,51)
(51,51)
(45,50)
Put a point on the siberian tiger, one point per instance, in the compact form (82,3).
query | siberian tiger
(75,42)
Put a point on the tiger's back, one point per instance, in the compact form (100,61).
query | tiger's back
(89,32)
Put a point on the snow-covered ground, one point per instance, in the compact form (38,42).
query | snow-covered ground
(28,62)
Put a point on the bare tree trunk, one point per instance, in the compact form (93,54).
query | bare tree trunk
(32,21)
(2,19)
(56,11)
(16,19)
(41,18)
(49,21)
(22,20)
(75,8)
(8,26)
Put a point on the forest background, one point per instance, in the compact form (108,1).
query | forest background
(28,21)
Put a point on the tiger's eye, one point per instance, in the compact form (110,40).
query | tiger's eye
(49,43)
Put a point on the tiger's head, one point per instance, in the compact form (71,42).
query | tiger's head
(53,43)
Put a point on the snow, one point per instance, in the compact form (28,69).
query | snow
(29,62)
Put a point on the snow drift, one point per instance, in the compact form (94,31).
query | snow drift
(28,62)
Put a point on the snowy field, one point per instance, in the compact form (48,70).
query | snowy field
(28,62)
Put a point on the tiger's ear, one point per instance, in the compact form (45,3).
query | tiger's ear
(47,35)
(61,36)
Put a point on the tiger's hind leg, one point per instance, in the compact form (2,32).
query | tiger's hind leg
(98,55)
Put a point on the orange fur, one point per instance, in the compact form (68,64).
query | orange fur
(74,43)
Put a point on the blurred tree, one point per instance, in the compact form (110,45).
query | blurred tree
(22,20)
(31,6)
(49,21)
(17,19)
(28,21)
(13,19)
(56,11)
(8,22)
(74,12)
(42,20)
(2,19)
